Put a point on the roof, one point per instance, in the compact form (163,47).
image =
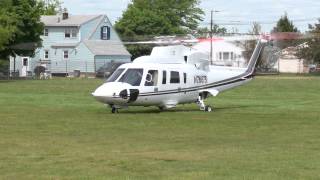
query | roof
(64,45)
(103,47)
(73,20)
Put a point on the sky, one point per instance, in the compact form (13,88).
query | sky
(235,15)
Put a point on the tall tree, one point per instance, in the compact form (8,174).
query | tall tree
(146,18)
(21,19)
(284,25)
(311,49)
(8,23)
(20,28)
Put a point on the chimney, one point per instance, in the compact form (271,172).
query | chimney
(65,14)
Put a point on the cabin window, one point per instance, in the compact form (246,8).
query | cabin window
(185,78)
(115,75)
(66,54)
(105,33)
(174,77)
(46,54)
(132,76)
(46,32)
(164,77)
(151,78)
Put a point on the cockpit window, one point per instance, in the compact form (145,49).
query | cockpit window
(152,78)
(132,76)
(115,75)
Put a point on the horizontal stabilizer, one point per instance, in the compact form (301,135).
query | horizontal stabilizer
(213,92)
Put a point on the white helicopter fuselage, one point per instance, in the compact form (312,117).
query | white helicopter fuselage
(153,81)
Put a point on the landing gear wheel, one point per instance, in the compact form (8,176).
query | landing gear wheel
(114,110)
(208,108)
(161,108)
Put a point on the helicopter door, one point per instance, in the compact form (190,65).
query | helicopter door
(152,80)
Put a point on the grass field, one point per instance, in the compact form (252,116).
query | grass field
(54,129)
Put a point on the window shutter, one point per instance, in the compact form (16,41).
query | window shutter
(101,33)
(108,32)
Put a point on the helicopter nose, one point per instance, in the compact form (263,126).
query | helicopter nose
(111,94)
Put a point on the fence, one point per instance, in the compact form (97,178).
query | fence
(19,68)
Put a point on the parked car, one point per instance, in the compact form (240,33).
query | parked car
(106,70)
(313,68)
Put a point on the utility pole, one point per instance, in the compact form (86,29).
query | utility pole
(211,36)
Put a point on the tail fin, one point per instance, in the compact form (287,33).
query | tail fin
(254,58)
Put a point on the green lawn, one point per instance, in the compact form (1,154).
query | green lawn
(54,129)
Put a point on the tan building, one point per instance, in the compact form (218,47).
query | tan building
(290,63)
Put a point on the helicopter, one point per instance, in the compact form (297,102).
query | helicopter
(173,75)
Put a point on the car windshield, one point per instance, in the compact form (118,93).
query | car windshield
(115,75)
(132,76)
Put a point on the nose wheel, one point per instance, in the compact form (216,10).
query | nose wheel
(114,109)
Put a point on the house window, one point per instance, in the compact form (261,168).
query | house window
(46,32)
(71,33)
(226,56)
(46,54)
(25,61)
(66,54)
(185,78)
(105,33)
(174,77)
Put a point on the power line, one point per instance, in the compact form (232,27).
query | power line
(244,23)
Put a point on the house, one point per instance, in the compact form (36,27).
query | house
(74,43)
(224,53)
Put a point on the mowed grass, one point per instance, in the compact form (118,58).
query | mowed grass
(54,129)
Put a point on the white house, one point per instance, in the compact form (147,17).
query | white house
(223,53)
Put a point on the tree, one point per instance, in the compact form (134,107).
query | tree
(284,25)
(51,7)
(204,32)
(310,50)
(146,18)
(249,45)
(7,23)
(20,27)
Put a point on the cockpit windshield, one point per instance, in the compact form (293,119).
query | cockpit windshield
(115,75)
(132,76)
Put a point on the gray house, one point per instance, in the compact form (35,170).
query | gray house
(76,42)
